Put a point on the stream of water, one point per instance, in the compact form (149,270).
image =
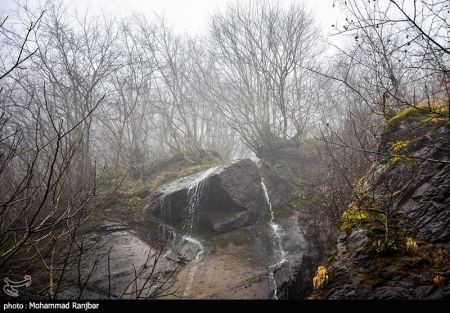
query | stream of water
(196,261)
(276,231)
(194,203)
(194,200)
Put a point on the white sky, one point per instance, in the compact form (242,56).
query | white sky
(189,16)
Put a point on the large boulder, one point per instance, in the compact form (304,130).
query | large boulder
(217,200)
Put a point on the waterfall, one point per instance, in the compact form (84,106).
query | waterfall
(194,202)
(194,199)
(165,208)
(167,232)
(164,205)
(276,231)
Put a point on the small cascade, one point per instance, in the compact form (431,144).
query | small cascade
(273,284)
(194,203)
(170,236)
(176,240)
(168,233)
(276,231)
(165,205)
(196,261)
(194,199)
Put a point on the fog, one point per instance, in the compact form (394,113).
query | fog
(96,95)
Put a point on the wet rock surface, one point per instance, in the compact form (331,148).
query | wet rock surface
(228,197)
(127,251)
(233,265)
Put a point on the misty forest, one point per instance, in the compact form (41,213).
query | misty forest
(268,158)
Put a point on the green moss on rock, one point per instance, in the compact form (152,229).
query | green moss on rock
(353,217)
(133,186)
(395,160)
(400,145)
(436,112)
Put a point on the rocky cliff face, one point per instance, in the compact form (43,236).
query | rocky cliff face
(395,240)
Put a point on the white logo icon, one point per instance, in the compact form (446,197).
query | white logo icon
(10,286)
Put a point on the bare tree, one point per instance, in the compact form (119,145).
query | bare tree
(400,55)
(257,78)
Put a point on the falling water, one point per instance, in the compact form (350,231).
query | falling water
(273,284)
(167,232)
(191,274)
(170,236)
(194,199)
(193,204)
(276,230)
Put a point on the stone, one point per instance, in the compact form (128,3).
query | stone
(214,201)
(421,181)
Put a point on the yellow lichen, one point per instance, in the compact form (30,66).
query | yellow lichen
(396,160)
(403,114)
(400,146)
(361,180)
